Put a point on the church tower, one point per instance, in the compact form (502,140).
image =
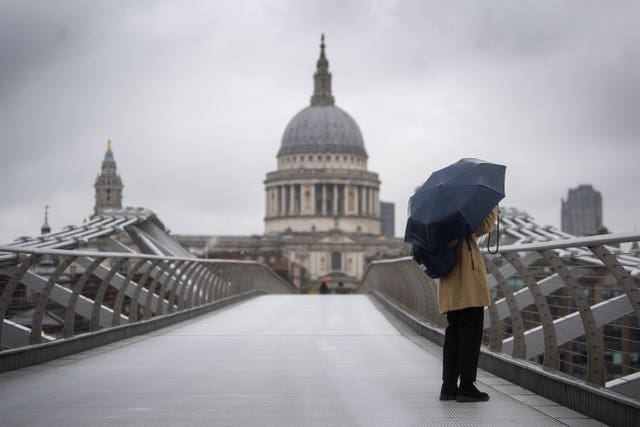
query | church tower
(108,185)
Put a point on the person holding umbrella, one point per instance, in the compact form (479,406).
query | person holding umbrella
(453,207)
(462,296)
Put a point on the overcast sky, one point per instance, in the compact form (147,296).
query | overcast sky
(195,96)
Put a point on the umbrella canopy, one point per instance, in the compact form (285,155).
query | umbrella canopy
(453,202)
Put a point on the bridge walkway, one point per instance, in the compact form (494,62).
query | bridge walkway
(275,360)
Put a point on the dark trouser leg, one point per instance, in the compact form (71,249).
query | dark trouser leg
(471,329)
(450,351)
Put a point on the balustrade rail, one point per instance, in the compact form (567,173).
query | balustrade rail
(48,294)
(571,305)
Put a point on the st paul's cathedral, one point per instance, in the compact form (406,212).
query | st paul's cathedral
(323,214)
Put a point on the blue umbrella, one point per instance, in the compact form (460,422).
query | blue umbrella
(453,202)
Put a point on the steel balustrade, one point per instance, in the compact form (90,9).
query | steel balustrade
(54,294)
(570,305)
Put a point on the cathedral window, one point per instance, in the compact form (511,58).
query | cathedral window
(296,198)
(318,210)
(351,201)
(329,199)
(336,261)
(287,200)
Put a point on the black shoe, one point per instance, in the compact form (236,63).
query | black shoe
(448,393)
(469,393)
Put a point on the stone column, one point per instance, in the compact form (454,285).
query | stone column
(376,204)
(273,200)
(324,199)
(283,200)
(276,200)
(335,199)
(365,206)
(372,201)
(367,202)
(294,206)
(312,202)
(267,205)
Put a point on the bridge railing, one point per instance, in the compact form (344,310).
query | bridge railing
(571,306)
(48,295)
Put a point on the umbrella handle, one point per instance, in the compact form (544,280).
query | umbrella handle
(497,238)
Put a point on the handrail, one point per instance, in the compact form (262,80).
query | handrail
(51,294)
(89,253)
(602,239)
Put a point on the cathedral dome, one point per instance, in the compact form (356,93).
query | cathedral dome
(322,129)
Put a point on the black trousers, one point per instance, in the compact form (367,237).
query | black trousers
(462,340)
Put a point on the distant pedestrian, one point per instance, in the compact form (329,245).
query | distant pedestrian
(324,289)
(462,296)
(341,289)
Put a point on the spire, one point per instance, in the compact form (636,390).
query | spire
(108,156)
(322,80)
(45,229)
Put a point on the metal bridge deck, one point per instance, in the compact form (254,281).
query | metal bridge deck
(292,360)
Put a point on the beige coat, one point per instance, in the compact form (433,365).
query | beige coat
(467,285)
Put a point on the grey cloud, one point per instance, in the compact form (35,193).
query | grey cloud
(196,96)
